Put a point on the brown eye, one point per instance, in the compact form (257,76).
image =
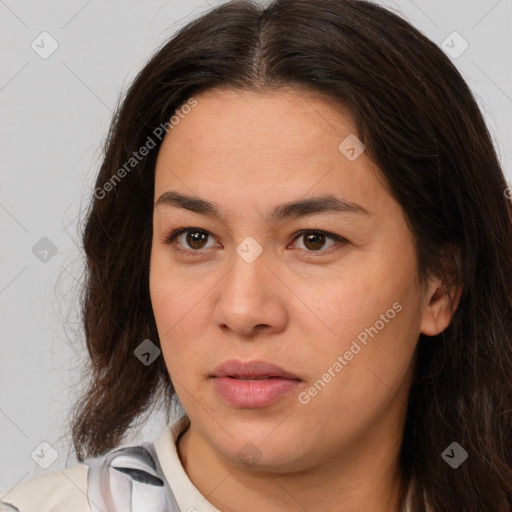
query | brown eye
(196,239)
(188,239)
(318,241)
(314,241)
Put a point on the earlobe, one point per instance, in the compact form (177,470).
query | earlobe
(440,305)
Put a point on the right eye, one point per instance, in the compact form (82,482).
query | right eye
(189,239)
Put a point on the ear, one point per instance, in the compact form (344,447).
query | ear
(440,303)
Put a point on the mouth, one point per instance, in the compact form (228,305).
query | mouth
(254,379)
(252,371)
(254,384)
(253,393)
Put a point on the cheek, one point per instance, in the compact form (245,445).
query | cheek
(343,303)
(359,371)
(166,302)
(169,291)
(373,319)
(179,312)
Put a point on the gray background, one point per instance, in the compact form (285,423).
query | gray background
(55,114)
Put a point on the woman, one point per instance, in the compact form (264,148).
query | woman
(301,231)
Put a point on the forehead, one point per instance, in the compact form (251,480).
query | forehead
(282,121)
(237,145)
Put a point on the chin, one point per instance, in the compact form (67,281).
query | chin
(253,448)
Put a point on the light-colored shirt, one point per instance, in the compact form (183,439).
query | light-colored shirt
(131,481)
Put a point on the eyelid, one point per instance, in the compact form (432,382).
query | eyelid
(170,238)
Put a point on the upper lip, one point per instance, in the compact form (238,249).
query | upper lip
(251,370)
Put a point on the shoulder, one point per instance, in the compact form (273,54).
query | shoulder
(127,477)
(59,491)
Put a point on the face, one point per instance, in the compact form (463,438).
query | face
(296,255)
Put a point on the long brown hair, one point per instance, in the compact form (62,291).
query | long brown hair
(422,127)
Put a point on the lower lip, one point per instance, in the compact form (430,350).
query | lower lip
(253,394)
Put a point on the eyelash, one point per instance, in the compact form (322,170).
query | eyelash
(169,239)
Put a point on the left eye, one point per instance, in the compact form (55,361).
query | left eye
(194,239)
(313,241)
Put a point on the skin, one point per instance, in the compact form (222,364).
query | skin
(297,307)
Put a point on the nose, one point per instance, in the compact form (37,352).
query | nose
(251,299)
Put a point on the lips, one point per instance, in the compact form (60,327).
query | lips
(252,370)
(253,384)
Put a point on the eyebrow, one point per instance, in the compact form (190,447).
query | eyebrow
(293,209)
